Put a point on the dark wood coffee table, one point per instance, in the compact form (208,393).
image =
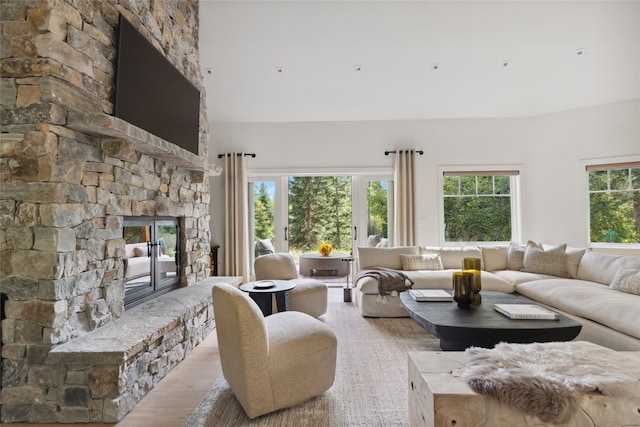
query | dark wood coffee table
(482,326)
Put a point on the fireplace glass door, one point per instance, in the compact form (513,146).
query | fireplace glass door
(151,258)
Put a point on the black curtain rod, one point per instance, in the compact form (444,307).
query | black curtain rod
(239,154)
(386,153)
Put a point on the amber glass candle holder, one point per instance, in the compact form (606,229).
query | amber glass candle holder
(463,288)
(472,265)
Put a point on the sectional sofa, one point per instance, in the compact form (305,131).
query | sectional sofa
(599,290)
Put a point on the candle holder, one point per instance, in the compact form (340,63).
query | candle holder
(463,292)
(472,265)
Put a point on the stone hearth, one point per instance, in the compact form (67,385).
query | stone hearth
(69,174)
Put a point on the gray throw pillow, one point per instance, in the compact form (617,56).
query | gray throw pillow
(627,281)
(552,261)
(515,257)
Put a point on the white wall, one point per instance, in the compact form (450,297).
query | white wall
(550,149)
(560,145)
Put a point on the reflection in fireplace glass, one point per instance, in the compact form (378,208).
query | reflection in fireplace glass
(151,258)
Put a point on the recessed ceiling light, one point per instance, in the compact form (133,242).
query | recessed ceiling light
(435,67)
(208,71)
(279,69)
(581,52)
(358,67)
(505,64)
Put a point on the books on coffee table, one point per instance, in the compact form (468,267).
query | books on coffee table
(526,311)
(430,295)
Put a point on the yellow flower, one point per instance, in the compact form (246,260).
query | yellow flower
(325,249)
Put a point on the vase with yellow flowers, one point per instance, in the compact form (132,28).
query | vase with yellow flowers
(325,249)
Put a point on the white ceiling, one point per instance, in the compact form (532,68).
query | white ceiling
(320,44)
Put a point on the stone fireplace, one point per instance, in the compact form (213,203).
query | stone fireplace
(70,173)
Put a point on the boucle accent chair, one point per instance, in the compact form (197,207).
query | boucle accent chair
(309,296)
(271,362)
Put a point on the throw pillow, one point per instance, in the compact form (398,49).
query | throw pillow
(627,281)
(421,262)
(515,256)
(137,251)
(574,255)
(265,246)
(384,243)
(494,257)
(373,240)
(552,261)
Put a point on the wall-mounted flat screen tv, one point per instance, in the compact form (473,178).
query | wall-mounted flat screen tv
(152,94)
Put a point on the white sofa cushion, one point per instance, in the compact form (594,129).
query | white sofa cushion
(602,268)
(439,279)
(452,257)
(517,277)
(617,310)
(384,257)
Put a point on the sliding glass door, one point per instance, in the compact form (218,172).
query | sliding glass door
(320,211)
(297,213)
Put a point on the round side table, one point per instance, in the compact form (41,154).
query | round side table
(262,295)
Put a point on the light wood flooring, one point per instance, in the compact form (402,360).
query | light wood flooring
(173,399)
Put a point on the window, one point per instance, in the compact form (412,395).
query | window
(614,203)
(478,206)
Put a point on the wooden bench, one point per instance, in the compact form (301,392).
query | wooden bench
(439,398)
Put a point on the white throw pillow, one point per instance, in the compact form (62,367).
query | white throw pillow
(627,281)
(553,261)
(373,240)
(494,257)
(421,262)
(574,255)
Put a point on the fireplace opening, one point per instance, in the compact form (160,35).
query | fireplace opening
(151,258)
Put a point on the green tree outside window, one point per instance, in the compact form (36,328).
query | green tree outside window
(614,205)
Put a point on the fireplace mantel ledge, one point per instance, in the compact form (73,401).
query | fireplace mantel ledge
(106,126)
(127,336)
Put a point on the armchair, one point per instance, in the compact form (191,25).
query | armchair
(309,296)
(271,362)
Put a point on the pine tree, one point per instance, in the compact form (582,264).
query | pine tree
(319,211)
(264,213)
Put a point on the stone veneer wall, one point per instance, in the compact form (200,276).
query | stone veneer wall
(64,193)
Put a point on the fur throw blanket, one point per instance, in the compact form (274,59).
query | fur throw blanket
(548,379)
(390,281)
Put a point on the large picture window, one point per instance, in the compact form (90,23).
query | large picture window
(478,206)
(614,203)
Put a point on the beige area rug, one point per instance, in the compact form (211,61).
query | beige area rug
(370,387)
